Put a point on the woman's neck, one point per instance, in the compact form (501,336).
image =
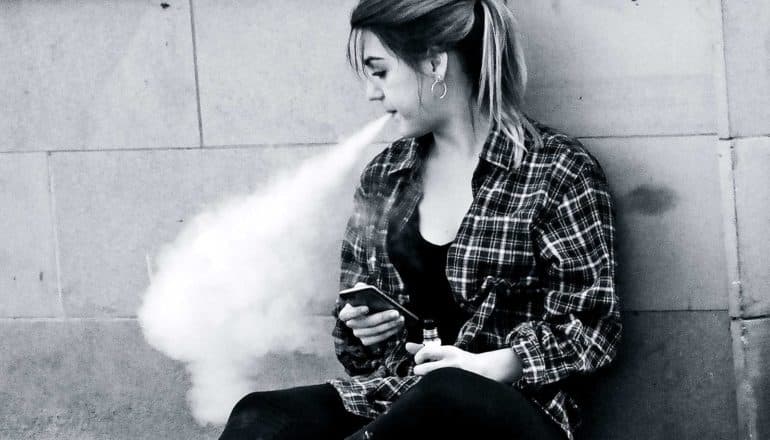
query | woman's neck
(462,136)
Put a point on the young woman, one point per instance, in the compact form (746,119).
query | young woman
(496,227)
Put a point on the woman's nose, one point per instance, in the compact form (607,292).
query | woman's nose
(373,93)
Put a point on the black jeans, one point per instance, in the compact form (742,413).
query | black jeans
(447,403)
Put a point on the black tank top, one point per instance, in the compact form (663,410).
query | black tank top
(422,266)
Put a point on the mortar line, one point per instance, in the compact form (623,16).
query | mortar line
(724,123)
(274,145)
(312,315)
(745,415)
(646,136)
(314,144)
(734,213)
(68,319)
(325,143)
(55,232)
(197,148)
(752,318)
(743,394)
(673,311)
(625,312)
(730,225)
(730,206)
(195,71)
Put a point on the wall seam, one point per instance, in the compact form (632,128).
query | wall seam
(728,161)
(69,319)
(197,148)
(326,143)
(745,402)
(720,75)
(730,224)
(647,135)
(727,154)
(55,233)
(755,318)
(195,71)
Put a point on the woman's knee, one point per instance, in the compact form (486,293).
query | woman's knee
(247,401)
(256,406)
(443,386)
(448,377)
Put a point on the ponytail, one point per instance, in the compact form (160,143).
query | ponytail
(503,76)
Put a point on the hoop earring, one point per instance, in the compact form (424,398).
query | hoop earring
(436,82)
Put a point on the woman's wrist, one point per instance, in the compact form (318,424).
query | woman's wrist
(501,365)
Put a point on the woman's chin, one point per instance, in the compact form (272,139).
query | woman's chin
(405,130)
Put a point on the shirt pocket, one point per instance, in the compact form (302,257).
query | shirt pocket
(501,245)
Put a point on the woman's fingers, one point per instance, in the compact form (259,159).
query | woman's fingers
(374,328)
(371,340)
(349,312)
(433,353)
(430,358)
(413,348)
(427,367)
(378,329)
(373,320)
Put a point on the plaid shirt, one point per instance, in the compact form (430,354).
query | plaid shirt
(532,264)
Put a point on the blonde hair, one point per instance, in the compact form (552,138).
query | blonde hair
(482,32)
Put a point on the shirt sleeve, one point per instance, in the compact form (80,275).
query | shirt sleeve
(581,327)
(355,357)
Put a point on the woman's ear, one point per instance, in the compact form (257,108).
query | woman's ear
(435,64)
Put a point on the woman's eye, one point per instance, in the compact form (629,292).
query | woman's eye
(380,74)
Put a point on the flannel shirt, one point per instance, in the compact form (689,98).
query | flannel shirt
(532,264)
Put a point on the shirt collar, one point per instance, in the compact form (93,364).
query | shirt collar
(411,151)
(498,150)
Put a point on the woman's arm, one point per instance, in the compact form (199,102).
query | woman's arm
(354,356)
(580,329)
(502,365)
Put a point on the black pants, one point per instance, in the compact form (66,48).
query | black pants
(447,403)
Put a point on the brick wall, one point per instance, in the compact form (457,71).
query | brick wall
(119,120)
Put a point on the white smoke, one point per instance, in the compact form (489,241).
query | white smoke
(232,287)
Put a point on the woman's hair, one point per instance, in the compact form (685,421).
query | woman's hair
(482,32)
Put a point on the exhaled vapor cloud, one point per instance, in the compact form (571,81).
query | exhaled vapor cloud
(231,286)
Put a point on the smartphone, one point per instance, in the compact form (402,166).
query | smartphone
(375,299)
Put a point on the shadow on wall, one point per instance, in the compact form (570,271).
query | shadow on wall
(648,200)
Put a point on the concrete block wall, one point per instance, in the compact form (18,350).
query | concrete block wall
(119,120)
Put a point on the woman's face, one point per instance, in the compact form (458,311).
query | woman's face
(395,84)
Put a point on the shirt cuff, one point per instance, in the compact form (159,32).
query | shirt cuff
(524,341)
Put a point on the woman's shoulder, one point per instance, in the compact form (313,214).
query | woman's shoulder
(396,155)
(563,154)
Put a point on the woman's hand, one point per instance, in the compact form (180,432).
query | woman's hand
(374,328)
(501,365)
(432,357)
